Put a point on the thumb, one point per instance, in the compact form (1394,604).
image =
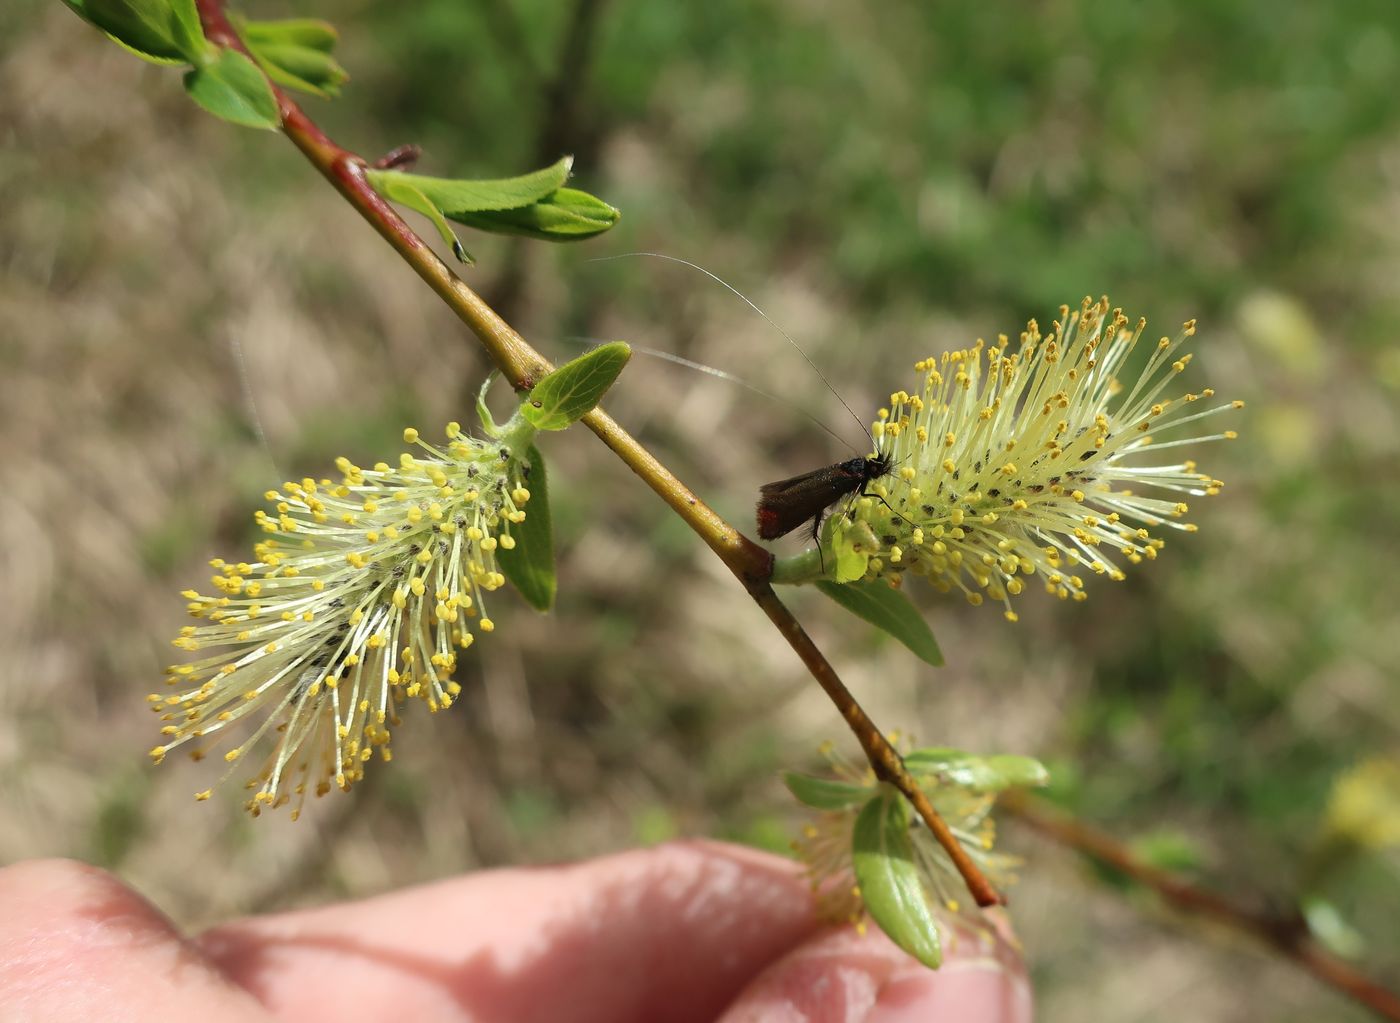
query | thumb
(846,977)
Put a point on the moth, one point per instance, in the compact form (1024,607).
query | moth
(787,504)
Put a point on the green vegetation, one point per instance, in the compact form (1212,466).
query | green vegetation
(887,181)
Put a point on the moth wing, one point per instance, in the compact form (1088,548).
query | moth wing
(775,521)
(786,504)
(783,486)
(826,474)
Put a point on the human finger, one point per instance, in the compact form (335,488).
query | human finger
(673,932)
(77,944)
(849,977)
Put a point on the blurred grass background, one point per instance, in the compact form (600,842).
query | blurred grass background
(189,315)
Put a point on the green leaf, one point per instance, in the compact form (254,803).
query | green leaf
(295,52)
(231,87)
(887,609)
(300,67)
(533,205)
(982,774)
(143,27)
(311,33)
(882,855)
(1331,929)
(572,390)
(530,565)
(483,411)
(149,58)
(188,32)
(455,196)
(849,541)
(824,793)
(564,215)
(160,31)
(401,190)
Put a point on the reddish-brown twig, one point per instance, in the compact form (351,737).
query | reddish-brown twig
(522,366)
(1286,934)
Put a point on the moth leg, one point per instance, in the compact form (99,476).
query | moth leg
(817,539)
(870,493)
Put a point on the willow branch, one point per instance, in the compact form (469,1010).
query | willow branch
(522,366)
(1286,934)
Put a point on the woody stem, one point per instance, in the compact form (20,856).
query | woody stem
(522,366)
(1285,933)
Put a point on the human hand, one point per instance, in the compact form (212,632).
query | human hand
(682,932)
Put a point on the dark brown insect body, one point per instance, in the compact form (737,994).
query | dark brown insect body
(787,504)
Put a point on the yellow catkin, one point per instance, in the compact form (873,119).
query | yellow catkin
(1084,467)
(318,639)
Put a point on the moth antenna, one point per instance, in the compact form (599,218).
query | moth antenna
(733,378)
(771,322)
